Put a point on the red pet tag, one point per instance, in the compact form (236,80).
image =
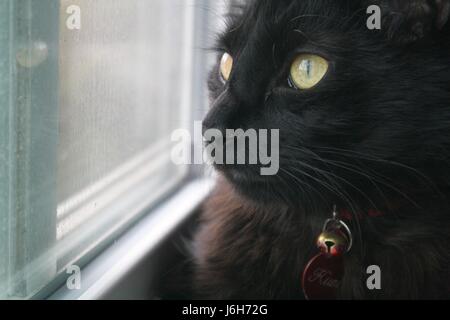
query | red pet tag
(323,274)
(322,277)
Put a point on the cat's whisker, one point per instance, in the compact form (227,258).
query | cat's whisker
(353,210)
(325,173)
(352,206)
(353,154)
(371,178)
(337,185)
(297,181)
(345,152)
(308,16)
(333,189)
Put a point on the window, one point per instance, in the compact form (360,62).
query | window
(86,116)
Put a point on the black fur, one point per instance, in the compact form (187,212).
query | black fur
(375,133)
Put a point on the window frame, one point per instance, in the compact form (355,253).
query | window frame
(30,154)
(28,143)
(111,262)
(135,254)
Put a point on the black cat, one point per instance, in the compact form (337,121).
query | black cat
(364,120)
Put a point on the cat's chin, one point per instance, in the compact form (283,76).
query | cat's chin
(260,189)
(270,190)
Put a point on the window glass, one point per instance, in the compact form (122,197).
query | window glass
(90,94)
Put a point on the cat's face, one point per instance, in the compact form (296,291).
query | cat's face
(362,114)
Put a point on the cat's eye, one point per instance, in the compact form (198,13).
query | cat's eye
(307,71)
(226,66)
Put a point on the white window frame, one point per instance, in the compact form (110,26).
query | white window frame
(101,275)
(30,156)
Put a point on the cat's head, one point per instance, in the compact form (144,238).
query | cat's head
(363,114)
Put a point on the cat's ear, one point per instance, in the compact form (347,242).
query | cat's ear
(406,21)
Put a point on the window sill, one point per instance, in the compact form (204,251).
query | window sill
(101,277)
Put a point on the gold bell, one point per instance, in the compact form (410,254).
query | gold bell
(333,242)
